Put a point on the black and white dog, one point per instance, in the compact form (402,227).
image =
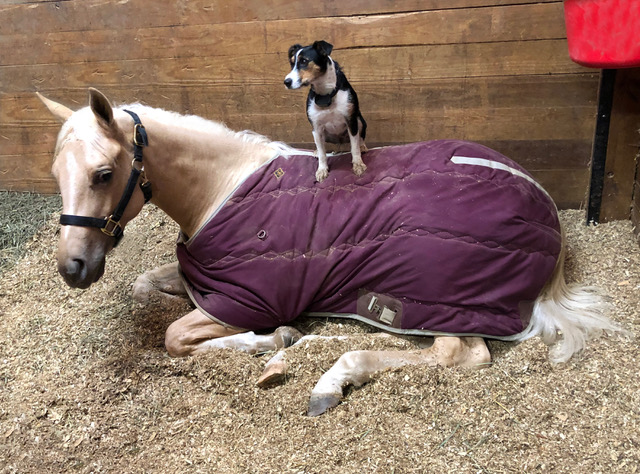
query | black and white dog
(332,104)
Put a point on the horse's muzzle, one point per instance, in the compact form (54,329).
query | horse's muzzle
(78,274)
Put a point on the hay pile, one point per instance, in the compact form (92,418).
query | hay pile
(86,386)
(21,215)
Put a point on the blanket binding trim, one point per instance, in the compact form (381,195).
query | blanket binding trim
(496,165)
(414,332)
(202,310)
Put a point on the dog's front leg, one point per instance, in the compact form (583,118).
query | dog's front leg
(323,166)
(356,146)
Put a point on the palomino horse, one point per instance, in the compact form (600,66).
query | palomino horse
(447,239)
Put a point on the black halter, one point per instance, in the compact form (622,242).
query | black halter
(111,225)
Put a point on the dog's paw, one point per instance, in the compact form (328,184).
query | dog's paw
(321,174)
(359,168)
(363,148)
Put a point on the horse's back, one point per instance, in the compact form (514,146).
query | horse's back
(449,236)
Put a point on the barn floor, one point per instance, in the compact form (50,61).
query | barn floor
(86,386)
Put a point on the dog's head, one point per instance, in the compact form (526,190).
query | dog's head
(307,63)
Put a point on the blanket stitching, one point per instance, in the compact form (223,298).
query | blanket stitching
(294,254)
(351,187)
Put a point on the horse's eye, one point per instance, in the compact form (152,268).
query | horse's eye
(102,176)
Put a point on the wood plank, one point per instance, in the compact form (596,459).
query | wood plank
(411,122)
(493,71)
(471,25)
(538,155)
(30,185)
(532,154)
(494,24)
(567,187)
(28,168)
(143,43)
(22,139)
(526,92)
(546,108)
(27,17)
(397,67)
(623,147)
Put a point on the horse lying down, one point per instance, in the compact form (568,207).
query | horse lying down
(447,239)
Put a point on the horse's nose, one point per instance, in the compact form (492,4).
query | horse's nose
(288,82)
(74,272)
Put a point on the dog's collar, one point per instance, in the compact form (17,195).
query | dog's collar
(325,100)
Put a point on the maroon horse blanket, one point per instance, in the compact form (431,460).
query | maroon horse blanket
(441,237)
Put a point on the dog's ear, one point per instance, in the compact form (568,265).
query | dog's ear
(323,48)
(293,50)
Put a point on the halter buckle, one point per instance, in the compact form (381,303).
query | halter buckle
(137,165)
(139,135)
(111,228)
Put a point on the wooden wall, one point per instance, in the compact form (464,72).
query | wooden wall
(494,71)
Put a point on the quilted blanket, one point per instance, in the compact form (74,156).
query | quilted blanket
(440,237)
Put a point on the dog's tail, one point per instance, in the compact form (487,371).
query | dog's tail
(575,312)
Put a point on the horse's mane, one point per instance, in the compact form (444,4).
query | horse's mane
(79,126)
(194,122)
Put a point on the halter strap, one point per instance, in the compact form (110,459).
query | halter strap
(111,225)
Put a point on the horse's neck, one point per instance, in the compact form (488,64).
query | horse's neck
(192,171)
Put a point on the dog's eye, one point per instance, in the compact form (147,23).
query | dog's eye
(102,176)
(303,61)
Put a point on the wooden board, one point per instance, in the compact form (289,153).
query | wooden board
(493,71)
(491,24)
(26,17)
(535,108)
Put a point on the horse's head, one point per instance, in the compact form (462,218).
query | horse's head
(92,164)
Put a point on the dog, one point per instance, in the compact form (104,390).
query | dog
(332,104)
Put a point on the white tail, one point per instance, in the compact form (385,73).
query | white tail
(576,312)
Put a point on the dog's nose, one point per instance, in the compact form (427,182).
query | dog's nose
(288,82)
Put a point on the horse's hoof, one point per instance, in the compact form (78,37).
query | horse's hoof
(320,403)
(270,379)
(288,335)
(274,373)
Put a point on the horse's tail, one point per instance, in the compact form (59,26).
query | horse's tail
(576,312)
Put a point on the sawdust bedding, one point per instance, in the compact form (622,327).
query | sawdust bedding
(86,385)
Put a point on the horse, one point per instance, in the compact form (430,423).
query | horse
(459,244)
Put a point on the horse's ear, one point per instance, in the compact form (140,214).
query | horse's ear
(101,107)
(59,111)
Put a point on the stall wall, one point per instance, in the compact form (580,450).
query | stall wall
(496,72)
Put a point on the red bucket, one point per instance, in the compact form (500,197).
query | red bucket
(603,33)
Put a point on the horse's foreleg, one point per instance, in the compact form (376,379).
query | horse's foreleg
(277,367)
(358,367)
(195,333)
(163,281)
(253,343)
